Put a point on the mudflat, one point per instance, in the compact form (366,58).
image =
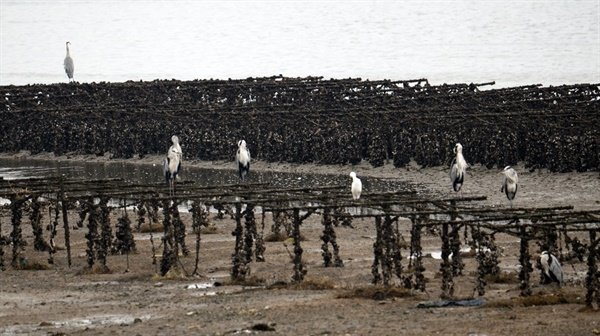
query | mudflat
(132,299)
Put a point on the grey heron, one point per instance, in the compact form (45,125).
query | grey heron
(551,269)
(458,168)
(510,183)
(172,163)
(356,188)
(69,67)
(242,158)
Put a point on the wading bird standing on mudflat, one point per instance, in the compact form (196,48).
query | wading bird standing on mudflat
(458,168)
(172,163)
(510,183)
(242,158)
(551,269)
(356,187)
(69,66)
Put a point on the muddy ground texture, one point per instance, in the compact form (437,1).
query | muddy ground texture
(134,300)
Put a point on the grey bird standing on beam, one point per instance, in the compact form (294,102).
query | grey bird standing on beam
(69,67)
(242,158)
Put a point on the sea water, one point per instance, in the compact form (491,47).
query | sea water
(510,42)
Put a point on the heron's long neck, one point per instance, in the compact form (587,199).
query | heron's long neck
(68,54)
(460,160)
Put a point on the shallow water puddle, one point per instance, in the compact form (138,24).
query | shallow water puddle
(201,288)
(147,173)
(146,236)
(95,283)
(75,323)
(201,285)
(438,254)
(99,320)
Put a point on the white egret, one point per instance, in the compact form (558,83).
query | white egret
(69,66)
(242,158)
(458,168)
(172,163)
(356,186)
(510,183)
(551,269)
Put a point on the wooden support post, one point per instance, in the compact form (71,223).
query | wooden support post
(16,236)
(105,241)
(259,242)
(175,232)
(446,267)
(299,270)
(39,244)
(457,263)
(199,219)
(92,234)
(389,248)
(65,222)
(238,270)
(480,256)
(592,279)
(377,251)
(152,210)
(417,253)
(169,244)
(397,253)
(250,232)
(337,261)
(524,259)
(3,242)
(179,229)
(326,220)
(53,233)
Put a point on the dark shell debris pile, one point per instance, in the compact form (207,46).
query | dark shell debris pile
(311,120)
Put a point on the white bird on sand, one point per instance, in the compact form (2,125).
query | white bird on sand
(551,269)
(242,157)
(69,66)
(510,183)
(356,186)
(172,163)
(458,168)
